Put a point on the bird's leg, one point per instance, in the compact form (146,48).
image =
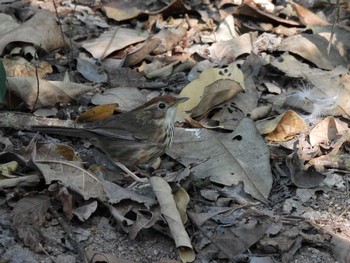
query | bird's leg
(130,173)
(107,160)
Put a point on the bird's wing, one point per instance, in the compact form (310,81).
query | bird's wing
(118,127)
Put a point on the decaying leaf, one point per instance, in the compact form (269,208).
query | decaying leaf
(20,67)
(300,176)
(50,92)
(127,98)
(41,30)
(28,215)
(112,40)
(70,173)
(6,169)
(91,70)
(227,159)
(84,212)
(314,49)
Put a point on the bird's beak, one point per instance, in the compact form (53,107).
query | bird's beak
(180,100)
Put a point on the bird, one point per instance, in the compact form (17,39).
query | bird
(132,138)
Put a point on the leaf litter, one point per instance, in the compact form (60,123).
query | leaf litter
(257,171)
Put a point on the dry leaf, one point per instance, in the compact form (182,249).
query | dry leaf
(50,92)
(301,177)
(314,49)
(227,159)
(97,113)
(197,88)
(169,210)
(327,130)
(41,30)
(307,17)
(70,173)
(112,40)
(20,67)
(214,94)
(127,98)
(287,126)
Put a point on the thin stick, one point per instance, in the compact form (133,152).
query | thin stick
(71,236)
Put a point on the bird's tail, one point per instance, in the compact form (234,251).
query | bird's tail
(59,130)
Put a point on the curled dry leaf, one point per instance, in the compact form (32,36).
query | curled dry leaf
(244,232)
(332,161)
(117,194)
(197,89)
(260,112)
(7,23)
(327,130)
(182,199)
(169,210)
(341,248)
(162,72)
(284,127)
(65,198)
(84,212)
(29,214)
(250,10)
(228,51)
(214,94)
(138,55)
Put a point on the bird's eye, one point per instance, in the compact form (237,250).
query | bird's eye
(161,106)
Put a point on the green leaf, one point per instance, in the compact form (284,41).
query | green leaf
(2,82)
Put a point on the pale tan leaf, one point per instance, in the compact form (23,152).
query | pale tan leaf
(50,92)
(112,40)
(327,130)
(169,210)
(195,90)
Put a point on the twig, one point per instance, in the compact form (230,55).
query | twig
(336,19)
(47,254)
(37,81)
(60,26)
(71,236)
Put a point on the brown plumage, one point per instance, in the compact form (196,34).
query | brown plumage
(132,138)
